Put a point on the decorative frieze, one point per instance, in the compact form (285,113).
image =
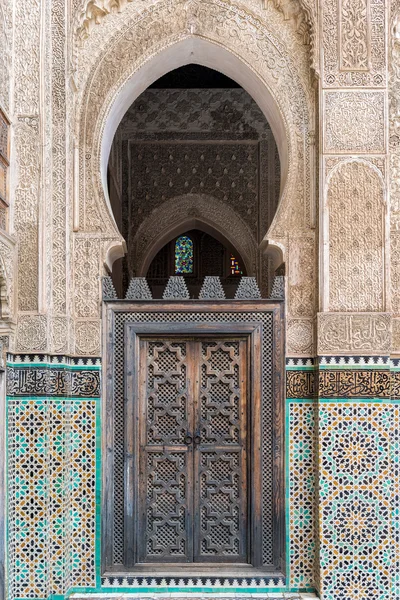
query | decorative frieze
(247,289)
(357,383)
(176,289)
(52,380)
(138,289)
(300,384)
(108,289)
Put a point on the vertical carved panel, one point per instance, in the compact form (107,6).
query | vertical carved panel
(354,35)
(26,198)
(356,239)
(164,511)
(221,511)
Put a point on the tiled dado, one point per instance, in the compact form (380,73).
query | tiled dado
(300,482)
(358,437)
(53,474)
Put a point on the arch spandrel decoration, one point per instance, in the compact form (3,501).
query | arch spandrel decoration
(303,13)
(220,23)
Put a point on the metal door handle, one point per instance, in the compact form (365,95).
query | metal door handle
(197,439)
(188,439)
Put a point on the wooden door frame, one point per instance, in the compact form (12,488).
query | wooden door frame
(133,330)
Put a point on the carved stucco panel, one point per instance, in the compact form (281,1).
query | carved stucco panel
(357,333)
(5,54)
(355,122)
(26,160)
(300,337)
(355,201)
(59,148)
(31,333)
(87,338)
(7,272)
(396,336)
(86,277)
(60,335)
(394,114)
(395,271)
(354,43)
(26,66)
(301,277)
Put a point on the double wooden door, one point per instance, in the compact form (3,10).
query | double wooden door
(191,424)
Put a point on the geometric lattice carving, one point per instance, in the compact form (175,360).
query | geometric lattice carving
(217,459)
(222,462)
(248,289)
(278,288)
(165,499)
(109,292)
(211,289)
(138,289)
(176,289)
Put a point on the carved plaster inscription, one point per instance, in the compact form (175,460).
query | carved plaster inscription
(354,122)
(356,333)
(354,43)
(356,238)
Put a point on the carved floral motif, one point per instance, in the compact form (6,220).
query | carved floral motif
(354,43)
(355,122)
(355,34)
(356,238)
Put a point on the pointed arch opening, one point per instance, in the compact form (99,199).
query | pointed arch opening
(195,131)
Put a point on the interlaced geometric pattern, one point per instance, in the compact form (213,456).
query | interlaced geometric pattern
(301,493)
(52,492)
(222,509)
(222,426)
(166,393)
(356,491)
(165,503)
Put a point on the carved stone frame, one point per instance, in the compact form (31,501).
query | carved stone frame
(253,328)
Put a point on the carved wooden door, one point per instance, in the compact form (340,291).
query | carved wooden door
(192,504)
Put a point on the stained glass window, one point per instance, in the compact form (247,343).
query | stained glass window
(183,255)
(236,269)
